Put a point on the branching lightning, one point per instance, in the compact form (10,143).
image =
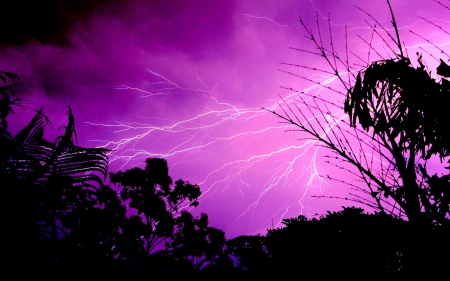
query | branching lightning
(228,149)
(231,141)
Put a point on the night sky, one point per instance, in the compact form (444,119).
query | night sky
(185,80)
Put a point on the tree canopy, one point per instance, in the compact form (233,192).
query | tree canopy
(59,207)
(401,109)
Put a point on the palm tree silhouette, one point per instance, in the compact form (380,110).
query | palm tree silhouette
(45,181)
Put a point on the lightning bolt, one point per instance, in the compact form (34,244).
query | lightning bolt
(206,138)
(231,150)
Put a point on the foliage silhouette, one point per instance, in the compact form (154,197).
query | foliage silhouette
(151,192)
(56,200)
(405,108)
(401,108)
(250,252)
(62,216)
(47,181)
(349,242)
(343,242)
(189,243)
(195,241)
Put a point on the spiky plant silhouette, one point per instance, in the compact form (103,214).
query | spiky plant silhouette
(44,183)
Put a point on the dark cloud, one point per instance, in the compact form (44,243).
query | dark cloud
(47,21)
(77,51)
(194,27)
(180,24)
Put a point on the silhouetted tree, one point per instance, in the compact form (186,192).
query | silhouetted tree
(151,192)
(401,109)
(62,217)
(250,252)
(348,241)
(345,243)
(94,232)
(53,191)
(197,242)
(189,243)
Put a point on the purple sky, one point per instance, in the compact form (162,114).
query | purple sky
(186,80)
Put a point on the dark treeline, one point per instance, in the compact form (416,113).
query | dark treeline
(348,242)
(60,217)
